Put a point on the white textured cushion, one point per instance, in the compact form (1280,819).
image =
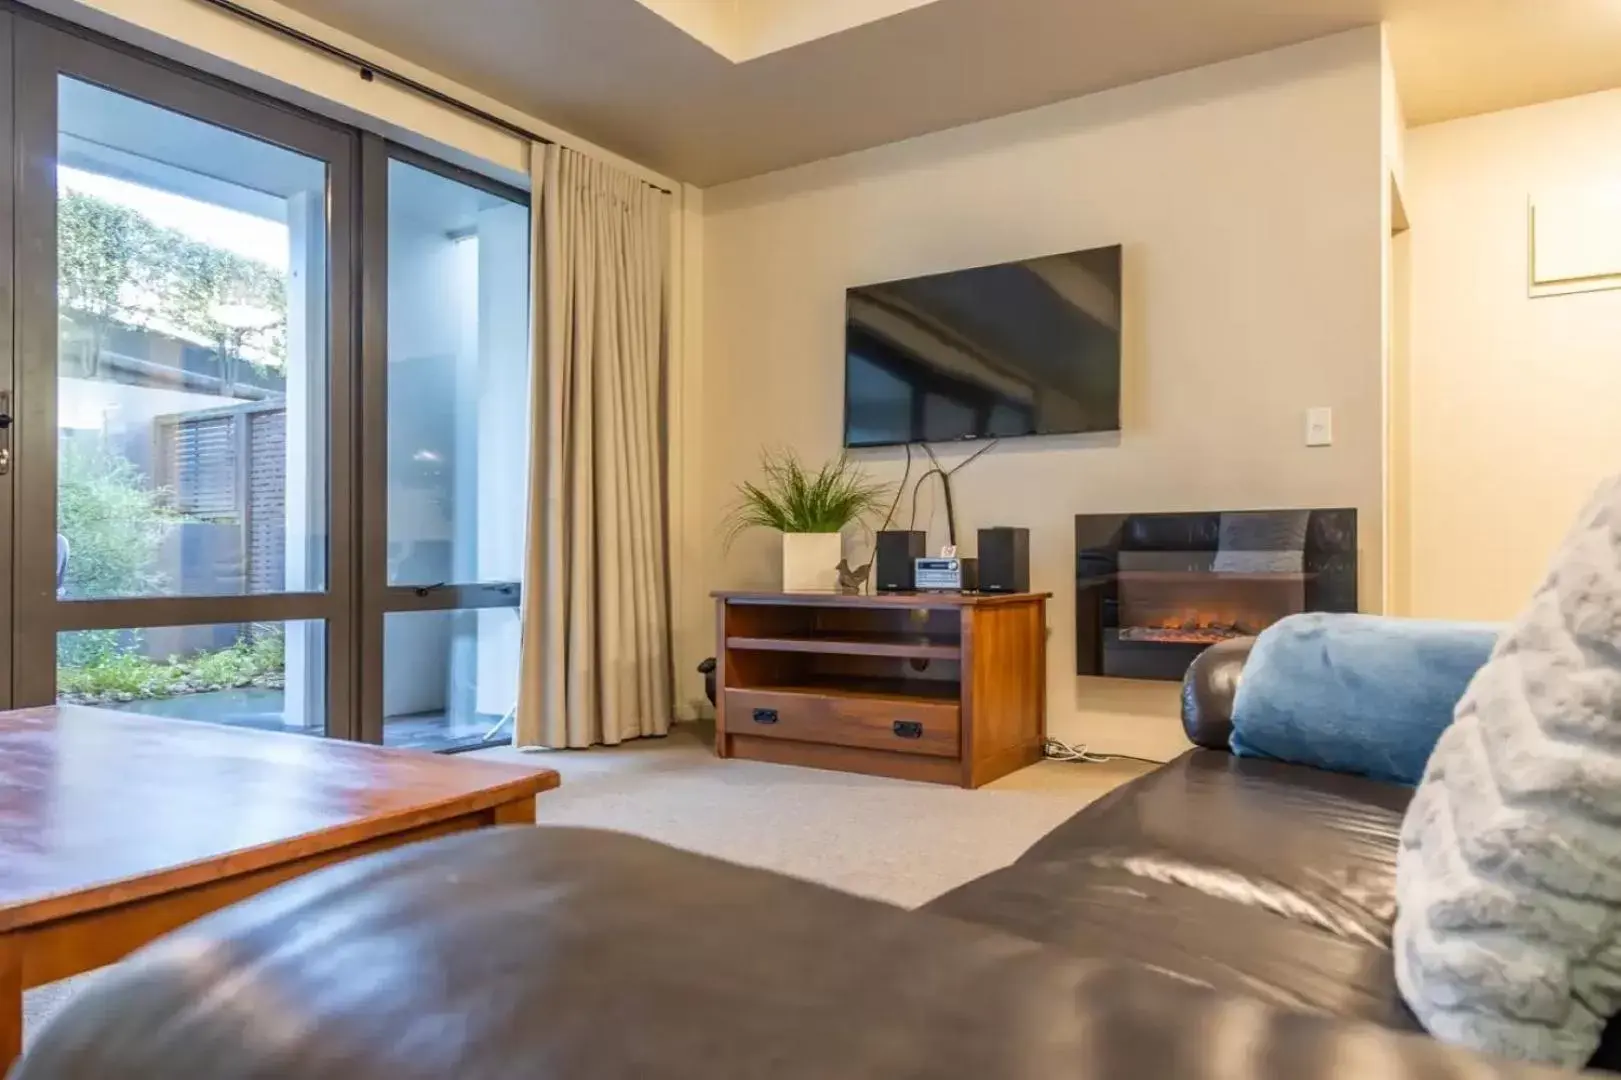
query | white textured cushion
(1508,883)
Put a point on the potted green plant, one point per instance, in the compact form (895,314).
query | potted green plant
(810,509)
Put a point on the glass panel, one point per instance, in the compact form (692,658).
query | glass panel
(1153,591)
(879,403)
(458,378)
(450,678)
(192,366)
(266,676)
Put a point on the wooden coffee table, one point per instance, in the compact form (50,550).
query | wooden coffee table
(116,829)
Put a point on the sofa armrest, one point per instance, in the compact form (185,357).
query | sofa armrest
(1208,690)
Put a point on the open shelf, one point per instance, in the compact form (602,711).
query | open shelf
(883,685)
(913,646)
(897,691)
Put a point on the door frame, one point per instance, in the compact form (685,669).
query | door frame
(8,352)
(43,52)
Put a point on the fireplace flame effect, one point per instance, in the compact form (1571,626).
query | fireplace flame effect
(1196,628)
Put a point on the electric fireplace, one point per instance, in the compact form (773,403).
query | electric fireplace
(1153,591)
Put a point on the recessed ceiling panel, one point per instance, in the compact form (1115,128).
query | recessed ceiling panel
(742,30)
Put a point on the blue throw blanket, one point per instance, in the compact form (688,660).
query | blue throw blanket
(1359,694)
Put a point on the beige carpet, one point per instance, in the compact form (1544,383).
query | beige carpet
(901,842)
(892,840)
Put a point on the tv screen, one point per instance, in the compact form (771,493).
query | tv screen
(1024,348)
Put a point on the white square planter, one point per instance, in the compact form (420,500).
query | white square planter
(810,561)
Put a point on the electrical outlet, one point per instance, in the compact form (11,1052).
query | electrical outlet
(1320,426)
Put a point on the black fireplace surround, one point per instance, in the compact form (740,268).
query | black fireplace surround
(1153,591)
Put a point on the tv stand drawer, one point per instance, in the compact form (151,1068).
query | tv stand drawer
(908,727)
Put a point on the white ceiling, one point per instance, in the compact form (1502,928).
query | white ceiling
(715,90)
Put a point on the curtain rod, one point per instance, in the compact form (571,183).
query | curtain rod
(369,71)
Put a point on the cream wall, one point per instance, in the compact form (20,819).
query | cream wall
(1248,196)
(1399,434)
(691,627)
(1392,116)
(1393,273)
(1515,403)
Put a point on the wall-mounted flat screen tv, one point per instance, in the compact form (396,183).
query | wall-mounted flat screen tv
(1023,348)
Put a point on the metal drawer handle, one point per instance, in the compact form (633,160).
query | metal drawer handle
(908,729)
(765,716)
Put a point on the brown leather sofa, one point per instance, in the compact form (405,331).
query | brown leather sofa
(1248,876)
(1218,918)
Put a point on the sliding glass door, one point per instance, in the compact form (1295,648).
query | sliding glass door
(264,408)
(446,423)
(182,458)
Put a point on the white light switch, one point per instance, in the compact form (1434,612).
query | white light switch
(1320,426)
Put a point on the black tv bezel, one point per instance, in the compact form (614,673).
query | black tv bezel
(844,385)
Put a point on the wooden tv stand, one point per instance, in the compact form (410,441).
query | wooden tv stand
(946,688)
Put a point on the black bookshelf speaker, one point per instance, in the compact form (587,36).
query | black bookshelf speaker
(894,568)
(1004,560)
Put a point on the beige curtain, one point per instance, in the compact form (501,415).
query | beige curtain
(596,655)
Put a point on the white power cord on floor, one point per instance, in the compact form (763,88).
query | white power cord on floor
(1057,750)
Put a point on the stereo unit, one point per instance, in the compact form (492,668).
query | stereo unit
(945,575)
(1004,560)
(895,561)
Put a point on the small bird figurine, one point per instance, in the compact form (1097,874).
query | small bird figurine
(851,582)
